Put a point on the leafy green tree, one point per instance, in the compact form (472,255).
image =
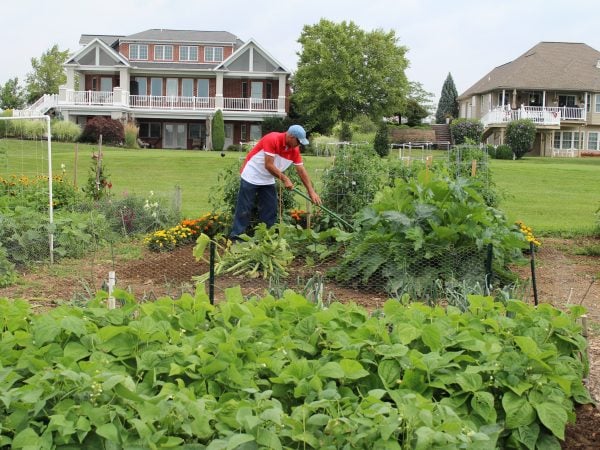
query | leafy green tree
(344,71)
(218,131)
(345,132)
(448,103)
(463,129)
(382,140)
(520,135)
(12,95)
(418,104)
(414,112)
(48,73)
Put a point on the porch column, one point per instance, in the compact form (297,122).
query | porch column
(209,133)
(70,78)
(282,92)
(124,83)
(514,99)
(503,97)
(219,91)
(544,99)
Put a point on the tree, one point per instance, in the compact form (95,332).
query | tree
(344,71)
(48,73)
(218,131)
(520,136)
(418,104)
(448,104)
(382,140)
(12,95)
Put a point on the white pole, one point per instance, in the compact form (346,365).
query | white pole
(50,201)
(111,303)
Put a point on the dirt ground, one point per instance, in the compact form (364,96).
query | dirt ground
(561,277)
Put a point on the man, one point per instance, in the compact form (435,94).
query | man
(265,163)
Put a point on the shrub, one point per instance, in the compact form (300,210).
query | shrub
(503,152)
(275,124)
(382,141)
(65,131)
(520,135)
(111,130)
(463,129)
(8,274)
(131,134)
(345,133)
(218,131)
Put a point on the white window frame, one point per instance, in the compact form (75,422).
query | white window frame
(163,53)
(172,87)
(213,54)
(187,84)
(560,143)
(185,53)
(597,103)
(597,146)
(138,52)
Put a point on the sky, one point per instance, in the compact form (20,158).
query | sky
(466,38)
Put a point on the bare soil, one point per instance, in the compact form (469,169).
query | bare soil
(561,278)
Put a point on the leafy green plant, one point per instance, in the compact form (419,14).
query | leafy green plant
(65,131)
(520,135)
(218,131)
(8,274)
(382,141)
(98,184)
(504,152)
(427,228)
(111,130)
(352,181)
(131,131)
(285,373)
(463,129)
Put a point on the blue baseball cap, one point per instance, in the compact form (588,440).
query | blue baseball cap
(298,132)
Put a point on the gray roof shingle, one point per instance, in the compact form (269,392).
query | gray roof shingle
(163,35)
(567,66)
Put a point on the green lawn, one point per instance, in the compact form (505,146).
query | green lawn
(549,194)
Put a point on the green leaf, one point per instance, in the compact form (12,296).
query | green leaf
(26,439)
(268,439)
(390,373)
(518,410)
(74,325)
(469,382)
(553,416)
(527,435)
(236,440)
(331,369)
(353,369)
(483,404)
(75,351)
(432,337)
(109,432)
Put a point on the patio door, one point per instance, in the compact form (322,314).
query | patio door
(174,135)
(228,135)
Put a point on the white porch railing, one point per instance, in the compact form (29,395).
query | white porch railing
(250,104)
(40,107)
(540,115)
(90,97)
(171,102)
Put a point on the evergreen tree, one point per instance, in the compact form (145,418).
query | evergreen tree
(448,104)
(382,141)
(218,131)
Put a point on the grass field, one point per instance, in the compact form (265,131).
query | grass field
(553,195)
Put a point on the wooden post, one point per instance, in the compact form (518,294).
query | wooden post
(111,284)
(428,162)
(473,168)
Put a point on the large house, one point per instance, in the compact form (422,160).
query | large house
(555,84)
(171,83)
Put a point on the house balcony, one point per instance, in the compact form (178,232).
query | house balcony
(549,116)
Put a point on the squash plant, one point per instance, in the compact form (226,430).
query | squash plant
(427,228)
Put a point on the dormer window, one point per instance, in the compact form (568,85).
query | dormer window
(163,53)
(138,52)
(213,54)
(188,53)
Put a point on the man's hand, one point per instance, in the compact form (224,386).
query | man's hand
(315,197)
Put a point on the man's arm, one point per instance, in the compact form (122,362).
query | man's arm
(273,170)
(306,181)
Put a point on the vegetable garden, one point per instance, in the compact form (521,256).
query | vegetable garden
(283,356)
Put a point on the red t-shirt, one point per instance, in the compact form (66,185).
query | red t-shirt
(272,144)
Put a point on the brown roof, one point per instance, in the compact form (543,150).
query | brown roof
(565,66)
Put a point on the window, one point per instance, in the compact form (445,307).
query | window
(255,132)
(243,132)
(156,86)
(172,87)
(163,53)
(593,140)
(269,90)
(588,102)
(196,130)
(149,129)
(202,88)
(187,87)
(566,100)
(566,140)
(597,108)
(106,84)
(213,54)
(138,51)
(188,53)
(142,84)
(244,89)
